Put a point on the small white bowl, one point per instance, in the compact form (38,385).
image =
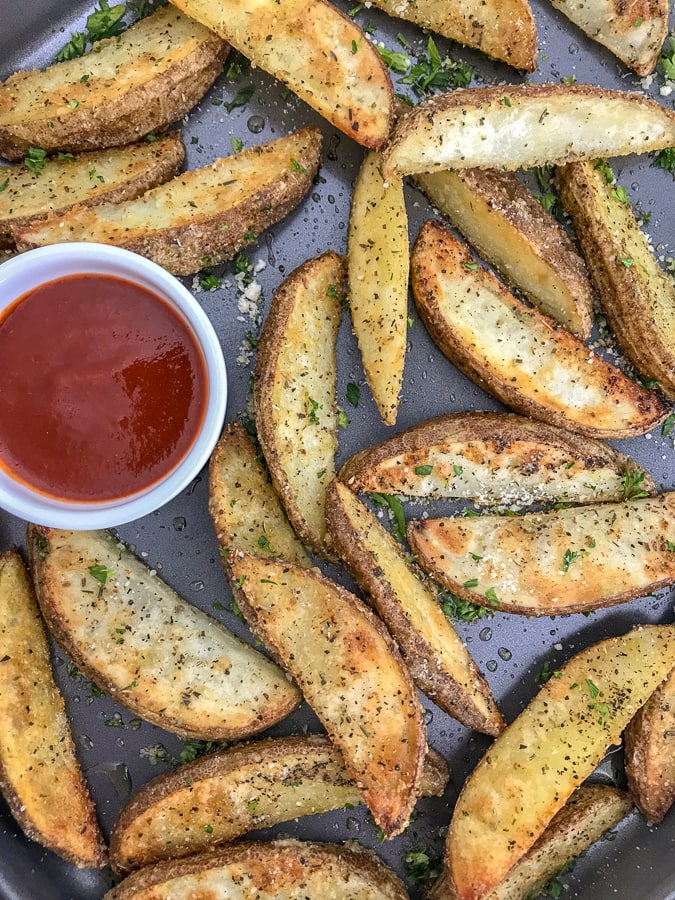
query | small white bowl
(24,273)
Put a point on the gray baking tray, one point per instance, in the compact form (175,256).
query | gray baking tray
(117,754)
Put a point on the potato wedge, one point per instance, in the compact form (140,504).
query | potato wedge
(294,393)
(434,653)
(635,294)
(634,32)
(244,507)
(248,786)
(546,564)
(591,811)
(494,458)
(208,214)
(276,870)
(520,356)
(525,125)
(511,230)
(378,265)
(40,777)
(124,626)
(126,87)
(533,767)
(503,30)
(650,753)
(100,176)
(309,45)
(350,673)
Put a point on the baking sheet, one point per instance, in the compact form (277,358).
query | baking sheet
(116,755)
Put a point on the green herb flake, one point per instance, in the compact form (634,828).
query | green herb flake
(264,543)
(241,99)
(100,573)
(395,60)
(431,74)
(593,689)
(313,406)
(423,470)
(667,58)
(569,557)
(455,607)
(619,194)
(208,829)
(471,583)
(104,22)
(396,510)
(507,101)
(4,185)
(491,597)
(471,265)
(296,167)
(421,867)
(355,47)
(251,806)
(665,159)
(73,104)
(342,419)
(632,486)
(237,144)
(670,546)
(353,394)
(668,425)
(209,281)
(35,160)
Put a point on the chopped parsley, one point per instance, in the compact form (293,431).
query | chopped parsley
(421,868)
(665,159)
(632,486)
(569,557)
(353,394)
(104,22)
(423,470)
(241,98)
(295,165)
(395,60)
(4,185)
(100,573)
(619,194)
(431,74)
(545,674)
(35,160)
(462,610)
(237,144)
(194,749)
(209,281)
(491,597)
(342,419)
(264,543)
(396,510)
(667,58)
(314,405)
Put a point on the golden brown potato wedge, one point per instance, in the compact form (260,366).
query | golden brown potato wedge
(378,265)
(511,230)
(547,564)
(206,215)
(533,767)
(276,870)
(494,458)
(350,672)
(518,126)
(519,355)
(317,51)
(634,32)
(635,294)
(245,787)
(438,660)
(244,507)
(650,753)
(100,176)
(140,642)
(504,30)
(126,87)
(591,811)
(294,393)
(40,777)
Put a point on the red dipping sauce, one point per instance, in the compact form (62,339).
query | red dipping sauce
(103,388)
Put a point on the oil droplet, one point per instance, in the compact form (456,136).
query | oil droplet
(634,186)
(85,742)
(428,717)
(491,665)
(353,824)
(331,198)
(118,775)
(485,634)
(255,124)
(573,48)
(179,523)
(197,585)
(333,145)
(269,242)
(504,653)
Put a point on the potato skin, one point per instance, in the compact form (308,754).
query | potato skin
(274,868)
(152,99)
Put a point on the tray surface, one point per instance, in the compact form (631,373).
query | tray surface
(179,542)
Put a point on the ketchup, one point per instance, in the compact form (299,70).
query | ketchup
(103,388)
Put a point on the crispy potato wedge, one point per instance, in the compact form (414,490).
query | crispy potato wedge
(533,767)
(350,672)
(650,753)
(546,564)
(244,507)
(591,811)
(378,265)
(209,213)
(525,125)
(100,176)
(40,777)
(438,660)
(517,354)
(294,393)
(494,458)
(248,786)
(511,230)
(126,87)
(276,870)
(309,45)
(134,637)
(635,32)
(503,30)
(635,294)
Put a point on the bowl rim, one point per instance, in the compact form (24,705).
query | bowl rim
(23,273)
